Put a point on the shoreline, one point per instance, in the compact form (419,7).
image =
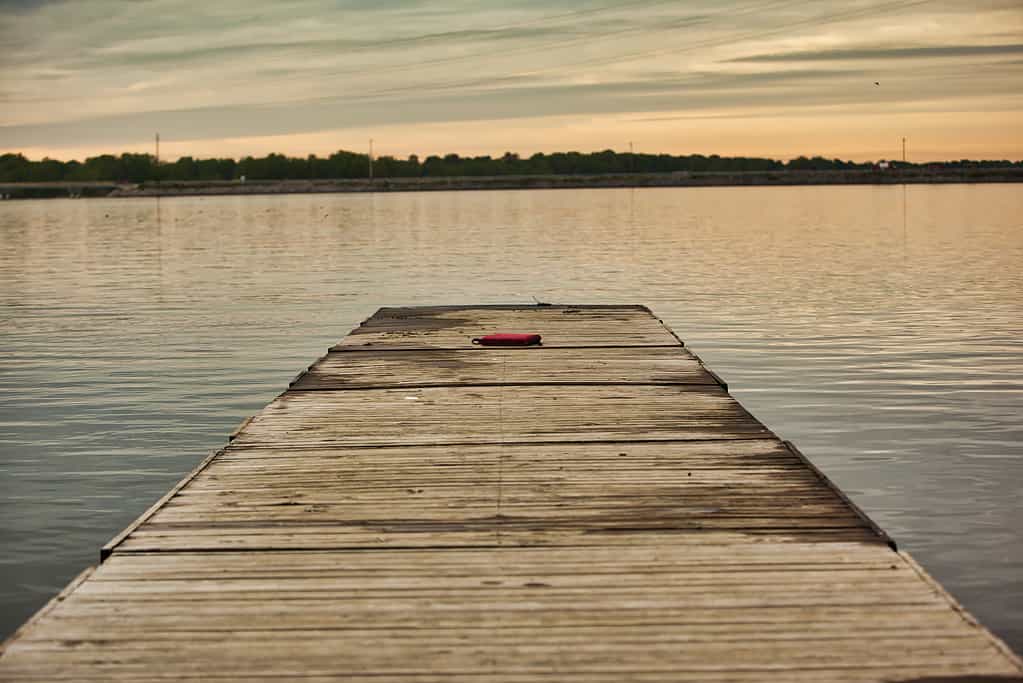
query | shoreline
(923,175)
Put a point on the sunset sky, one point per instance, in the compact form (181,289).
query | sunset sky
(732,77)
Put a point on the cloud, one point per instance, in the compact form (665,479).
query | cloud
(855,54)
(112,72)
(785,90)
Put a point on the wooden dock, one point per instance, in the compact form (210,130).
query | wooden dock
(417,508)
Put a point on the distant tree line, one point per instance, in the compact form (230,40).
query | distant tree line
(141,168)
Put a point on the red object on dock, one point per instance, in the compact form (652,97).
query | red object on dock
(508,339)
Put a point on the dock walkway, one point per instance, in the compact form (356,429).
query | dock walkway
(416,508)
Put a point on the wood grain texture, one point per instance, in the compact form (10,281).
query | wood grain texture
(504,414)
(676,612)
(551,494)
(481,366)
(595,510)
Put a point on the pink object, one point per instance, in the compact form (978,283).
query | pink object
(508,339)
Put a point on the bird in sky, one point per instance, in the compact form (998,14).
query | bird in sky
(876,83)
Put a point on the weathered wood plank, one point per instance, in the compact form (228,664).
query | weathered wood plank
(154,540)
(297,621)
(465,415)
(489,366)
(638,557)
(336,653)
(519,494)
(908,672)
(595,602)
(710,453)
(375,657)
(454,328)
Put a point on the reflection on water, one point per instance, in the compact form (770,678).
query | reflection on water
(877,327)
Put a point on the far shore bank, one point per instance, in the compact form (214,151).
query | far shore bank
(56,190)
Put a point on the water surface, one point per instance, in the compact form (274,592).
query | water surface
(877,327)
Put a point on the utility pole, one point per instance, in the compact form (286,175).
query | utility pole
(632,167)
(371,159)
(903,150)
(156,169)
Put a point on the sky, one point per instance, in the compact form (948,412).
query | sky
(838,78)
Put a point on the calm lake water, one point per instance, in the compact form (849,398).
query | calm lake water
(877,327)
